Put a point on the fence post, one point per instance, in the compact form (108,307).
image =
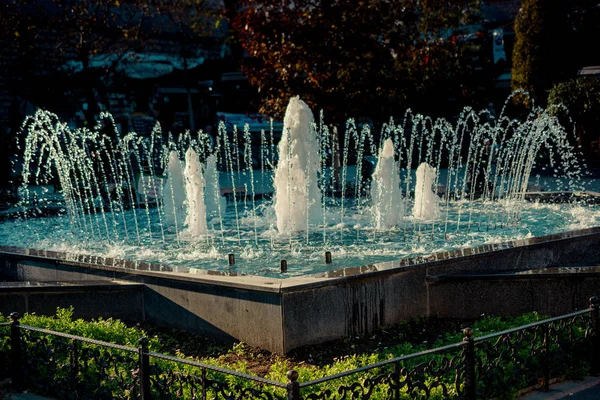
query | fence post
(16,358)
(595,337)
(469,368)
(397,381)
(144,371)
(203,384)
(546,359)
(75,368)
(293,387)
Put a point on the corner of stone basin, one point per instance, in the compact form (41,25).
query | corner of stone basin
(252,282)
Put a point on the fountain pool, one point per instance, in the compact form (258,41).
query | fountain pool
(358,195)
(350,246)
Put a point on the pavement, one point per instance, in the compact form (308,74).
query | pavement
(586,389)
(22,396)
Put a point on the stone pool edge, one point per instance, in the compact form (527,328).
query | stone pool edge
(283,314)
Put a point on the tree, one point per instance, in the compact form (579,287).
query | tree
(581,98)
(357,57)
(585,20)
(43,35)
(542,53)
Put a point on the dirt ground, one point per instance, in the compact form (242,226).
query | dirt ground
(259,361)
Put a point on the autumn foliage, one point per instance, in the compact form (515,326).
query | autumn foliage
(355,57)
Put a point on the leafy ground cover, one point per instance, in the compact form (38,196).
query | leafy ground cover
(310,362)
(393,341)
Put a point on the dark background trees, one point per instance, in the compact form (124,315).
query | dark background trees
(52,45)
(552,47)
(577,103)
(69,56)
(542,31)
(359,58)
(553,39)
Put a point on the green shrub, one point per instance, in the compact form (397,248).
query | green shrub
(581,97)
(104,380)
(542,32)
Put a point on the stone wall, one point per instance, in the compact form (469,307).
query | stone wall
(283,314)
(122,300)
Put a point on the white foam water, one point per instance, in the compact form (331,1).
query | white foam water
(386,198)
(194,190)
(297,196)
(426,205)
(174,194)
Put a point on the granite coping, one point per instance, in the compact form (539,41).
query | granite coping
(279,285)
(68,286)
(542,273)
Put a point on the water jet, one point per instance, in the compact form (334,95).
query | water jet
(180,242)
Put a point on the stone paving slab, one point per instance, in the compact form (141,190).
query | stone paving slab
(21,396)
(586,389)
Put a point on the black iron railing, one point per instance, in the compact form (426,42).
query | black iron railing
(492,366)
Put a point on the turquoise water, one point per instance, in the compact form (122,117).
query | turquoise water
(100,176)
(259,248)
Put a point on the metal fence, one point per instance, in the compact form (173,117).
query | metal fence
(492,366)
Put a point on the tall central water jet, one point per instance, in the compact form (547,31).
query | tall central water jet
(387,201)
(174,192)
(297,196)
(194,190)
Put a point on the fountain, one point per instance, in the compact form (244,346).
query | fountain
(216,204)
(174,193)
(108,183)
(194,191)
(426,205)
(388,204)
(297,200)
(132,207)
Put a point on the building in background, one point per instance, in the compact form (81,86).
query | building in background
(499,19)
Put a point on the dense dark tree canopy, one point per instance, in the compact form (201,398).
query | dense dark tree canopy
(542,55)
(353,57)
(40,36)
(553,39)
(585,20)
(577,101)
(105,25)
